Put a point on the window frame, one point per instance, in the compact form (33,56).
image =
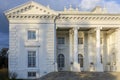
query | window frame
(80,57)
(31,29)
(31,74)
(61,61)
(79,40)
(30,35)
(101,41)
(58,39)
(33,59)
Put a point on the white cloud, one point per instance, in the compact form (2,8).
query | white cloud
(112,6)
(88,4)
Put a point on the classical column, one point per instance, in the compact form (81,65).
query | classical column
(86,58)
(71,48)
(76,66)
(99,66)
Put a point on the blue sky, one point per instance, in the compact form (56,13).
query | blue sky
(112,6)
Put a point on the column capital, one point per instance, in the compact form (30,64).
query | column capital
(71,31)
(56,27)
(76,28)
(98,28)
(118,29)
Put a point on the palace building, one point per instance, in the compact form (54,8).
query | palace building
(42,40)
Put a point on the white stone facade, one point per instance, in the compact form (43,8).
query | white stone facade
(97,31)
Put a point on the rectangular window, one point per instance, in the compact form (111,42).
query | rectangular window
(101,41)
(31,74)
(31,35)
(61,40)
(31,58)
(80,40)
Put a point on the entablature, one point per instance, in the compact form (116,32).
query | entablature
(87,26)
(89,17)
(31,21)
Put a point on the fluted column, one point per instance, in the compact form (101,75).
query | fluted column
(76,66)
(99,66)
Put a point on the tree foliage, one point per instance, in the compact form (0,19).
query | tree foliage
(3,58)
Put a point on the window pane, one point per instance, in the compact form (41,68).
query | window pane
(101,41)
(80,40)
(61,60)
(31,35)
(80,60)
(61,40)
(31,58)
(31,74)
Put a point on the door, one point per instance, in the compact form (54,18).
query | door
(61,62)
(80,61)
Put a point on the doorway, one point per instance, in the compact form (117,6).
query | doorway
(80,61)
(61,62)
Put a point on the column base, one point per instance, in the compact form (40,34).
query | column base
(76,67)
(117,68)
(99,68)
(55,67)
(92,68)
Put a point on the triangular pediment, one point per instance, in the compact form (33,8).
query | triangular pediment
(31,7)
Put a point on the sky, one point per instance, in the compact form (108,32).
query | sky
(112,6)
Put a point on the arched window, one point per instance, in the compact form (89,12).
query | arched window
(80,60)
(61,60)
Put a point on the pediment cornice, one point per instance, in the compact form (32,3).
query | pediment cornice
(22,16)
(31,8)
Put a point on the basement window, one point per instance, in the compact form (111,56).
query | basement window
(31,74)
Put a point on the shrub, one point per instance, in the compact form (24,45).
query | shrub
(13,75)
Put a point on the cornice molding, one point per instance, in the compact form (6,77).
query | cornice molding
(65,18)
(86,17)
(88,26)
(22,16)
(28,6)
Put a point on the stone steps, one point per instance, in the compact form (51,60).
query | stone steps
(66,75)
